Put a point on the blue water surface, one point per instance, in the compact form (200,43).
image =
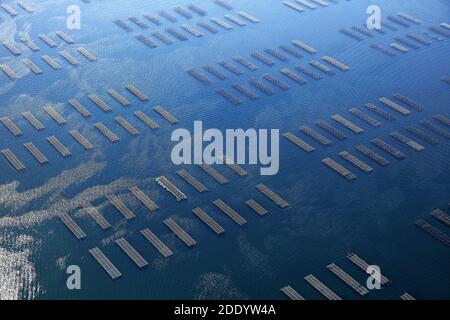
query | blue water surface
(328,216)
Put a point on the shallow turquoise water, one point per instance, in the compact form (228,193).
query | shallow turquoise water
(328,217)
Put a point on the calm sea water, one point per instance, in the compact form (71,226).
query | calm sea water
(328,217)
